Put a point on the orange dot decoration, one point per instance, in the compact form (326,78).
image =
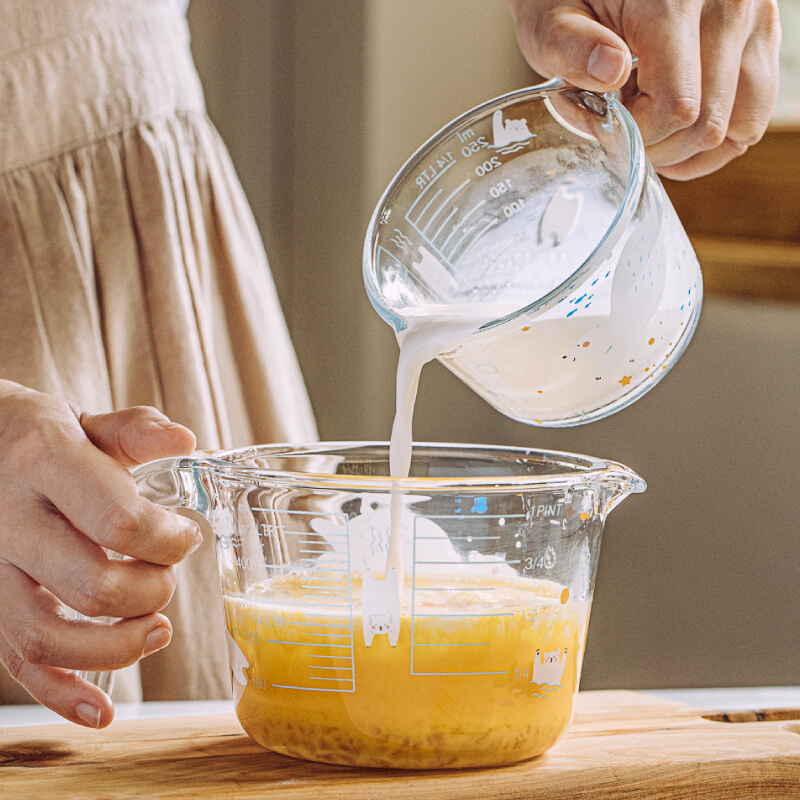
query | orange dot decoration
(652,341)
(564,596)
(584,516)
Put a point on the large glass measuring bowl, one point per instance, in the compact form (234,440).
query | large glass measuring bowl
(474,661)
(538,216)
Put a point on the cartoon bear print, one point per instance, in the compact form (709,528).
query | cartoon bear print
(380,607)
(548,668)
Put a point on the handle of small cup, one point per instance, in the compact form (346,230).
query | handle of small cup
(143,475)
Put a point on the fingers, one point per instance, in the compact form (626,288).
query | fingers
(96,493)
(738,54)
(40,648)
(566,39)
(78,571)
(35,627)
(59,690)
(137,435)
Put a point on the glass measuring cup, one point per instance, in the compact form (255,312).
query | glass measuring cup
(538,215)
(478,661)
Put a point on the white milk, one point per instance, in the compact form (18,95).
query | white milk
(440,330)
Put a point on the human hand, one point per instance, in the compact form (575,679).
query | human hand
(707,78)
(67,495)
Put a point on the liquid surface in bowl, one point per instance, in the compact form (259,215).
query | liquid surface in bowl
(484,671)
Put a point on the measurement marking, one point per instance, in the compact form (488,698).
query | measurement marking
(316,541)
(307,644)
(309,688)
(464,219)
(301,513)
(338,680)
(320,624)
(321,605)
(323,553)
(447,616)
(324,597)
(322,569)
(468,563)
(311,655)
(502,672)
(480,234)
(333,591)
(443,205)
(422,193)
(427,206)
(340,669)
(330,635)
(439,229)
(453,644)
(324,585)
(482,516)
(458,538)
(459,589)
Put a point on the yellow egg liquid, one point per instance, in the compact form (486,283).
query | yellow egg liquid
(490,678)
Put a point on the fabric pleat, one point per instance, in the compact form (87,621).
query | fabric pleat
(132,269)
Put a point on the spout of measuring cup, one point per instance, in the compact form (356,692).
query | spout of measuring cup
(620,482)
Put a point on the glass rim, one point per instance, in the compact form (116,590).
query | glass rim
(224,463)
(619,224)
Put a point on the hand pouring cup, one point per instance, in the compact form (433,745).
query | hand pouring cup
(474,661)
(538,215)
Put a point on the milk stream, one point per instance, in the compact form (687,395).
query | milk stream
(438,331)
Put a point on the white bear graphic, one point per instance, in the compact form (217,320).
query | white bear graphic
(548,668)
(380,607)
(238,664)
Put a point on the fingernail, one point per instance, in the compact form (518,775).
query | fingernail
(606,64)
(157,639)
(198,538)
(88,713)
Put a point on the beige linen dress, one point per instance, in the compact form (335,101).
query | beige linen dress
(132,270)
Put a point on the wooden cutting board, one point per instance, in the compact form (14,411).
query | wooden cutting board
(621,745)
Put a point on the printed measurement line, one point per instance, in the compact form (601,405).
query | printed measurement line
(458,589)
(427,206)
(447,616)
(501,672)
(458,538)
(449,217)
(301,513)
(443,205)
(331,635)
(453,644)
(323,569)
(308,644)
(422,193)
(311,655)
(477,237)
(340,669)
(322,605)
(462,221)
(323,553)
(476,517)
(469,563)
(338,680)
(325,585)
(310,688)
(323,597)
(320,624)
(467,233)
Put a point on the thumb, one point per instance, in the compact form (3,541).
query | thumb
(565,39)
(137,435)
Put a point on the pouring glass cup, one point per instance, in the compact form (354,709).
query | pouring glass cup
(538,215)
(475,661)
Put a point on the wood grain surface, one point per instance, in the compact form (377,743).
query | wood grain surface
(621,745)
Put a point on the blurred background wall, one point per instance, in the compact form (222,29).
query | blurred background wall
(320,102)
